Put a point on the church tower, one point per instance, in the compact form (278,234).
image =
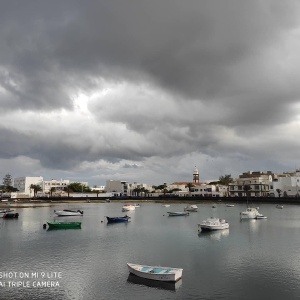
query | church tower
(195,175)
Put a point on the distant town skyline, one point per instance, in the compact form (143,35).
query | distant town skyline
(144,91)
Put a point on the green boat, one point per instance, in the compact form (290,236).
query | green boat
(64,225)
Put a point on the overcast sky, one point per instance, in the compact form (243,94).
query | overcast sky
(144,91)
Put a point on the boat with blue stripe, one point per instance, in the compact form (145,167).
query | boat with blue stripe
(155,272)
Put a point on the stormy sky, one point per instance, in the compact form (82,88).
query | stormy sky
(144,91)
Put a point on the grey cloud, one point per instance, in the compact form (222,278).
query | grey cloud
(200,77)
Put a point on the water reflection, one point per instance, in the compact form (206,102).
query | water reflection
(117,223)
(172,286)
(61,229)
(214,235)
(253,223)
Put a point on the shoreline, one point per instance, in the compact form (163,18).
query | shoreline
(29,203)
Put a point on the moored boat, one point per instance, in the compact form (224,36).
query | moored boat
(178,213)
(155,272)
(191,207)
(4,212)
(230,205)
(128,207)
(68,212)
(251,213)
(64,225)
(117,219)
(166,205)
(211,224)
(279,206)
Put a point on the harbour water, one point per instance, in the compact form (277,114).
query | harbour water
(254,259)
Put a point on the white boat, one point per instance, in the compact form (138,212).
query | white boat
(178,213)
(166,205)
(279,206)
(155,272)
(136,205)
(251,213)
(191,207)
(68,212)
(128,207)
(230,205)
(211,224)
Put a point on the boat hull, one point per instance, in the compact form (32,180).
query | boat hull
(212,228)
(213,224)
(155,272)
(191,208)
(177,214)
(10,215)
(64,225)
(117,219)
(128,208)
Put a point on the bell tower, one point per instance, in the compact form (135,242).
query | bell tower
(195,175)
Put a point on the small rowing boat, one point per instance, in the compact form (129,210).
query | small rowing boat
(155,272)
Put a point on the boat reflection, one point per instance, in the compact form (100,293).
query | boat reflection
(57,229)
(253,224)
(172,286)
(116,224)
(214,235)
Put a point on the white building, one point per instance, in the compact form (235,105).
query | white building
(123,188)
(258,181)
(117,187)
(286,184)
(23,184)
(57,185)
(209,190)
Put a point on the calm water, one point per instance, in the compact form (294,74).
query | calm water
(254,259)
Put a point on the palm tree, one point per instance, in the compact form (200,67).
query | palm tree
(189,186)
(137,191)
(279,192)
(52,190)
(36,188)
(165,189)
(247,189)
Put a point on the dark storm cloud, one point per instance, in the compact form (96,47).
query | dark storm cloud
(190,47)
